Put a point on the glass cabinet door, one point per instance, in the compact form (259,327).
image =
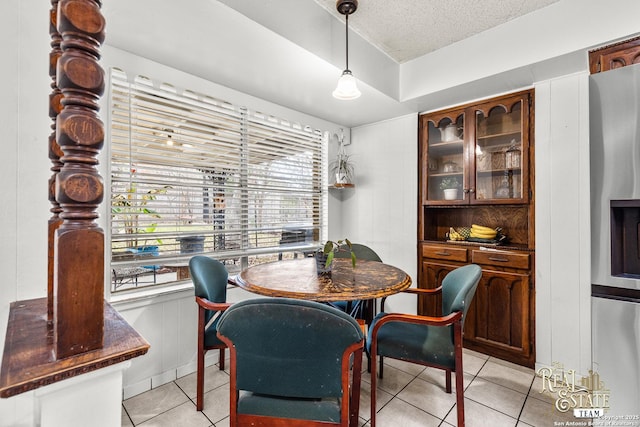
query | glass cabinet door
(500,153)
(445,168)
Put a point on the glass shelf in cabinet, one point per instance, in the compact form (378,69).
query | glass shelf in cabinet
(445,148)
(455,142)
(445,174)
(499,135)
(499,172)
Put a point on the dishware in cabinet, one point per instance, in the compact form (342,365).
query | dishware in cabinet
(480,150)
(500,148)
(443,154)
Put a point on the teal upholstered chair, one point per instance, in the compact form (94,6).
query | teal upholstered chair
(364,309)
(361,251)
(210,279)
(293,363)
(430,341)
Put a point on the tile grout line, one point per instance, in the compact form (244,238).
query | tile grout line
(526,395)
(476,376)
(127,414)
(527,398)
(168,409)
(194,403)
(395,395)
(442,420)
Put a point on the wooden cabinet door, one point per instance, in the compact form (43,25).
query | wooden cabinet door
(501,151)
(478,153)
(443,158)
(499,316)
(432,275)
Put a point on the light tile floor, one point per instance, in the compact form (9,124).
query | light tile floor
(497,393)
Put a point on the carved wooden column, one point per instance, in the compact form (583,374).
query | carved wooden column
(55,107)
(88,333)
(79,242)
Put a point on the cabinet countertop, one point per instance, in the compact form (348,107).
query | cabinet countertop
(475,245)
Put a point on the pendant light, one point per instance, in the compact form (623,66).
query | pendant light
(346,88)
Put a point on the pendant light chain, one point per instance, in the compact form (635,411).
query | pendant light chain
(346,17)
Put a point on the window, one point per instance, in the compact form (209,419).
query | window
(191,174)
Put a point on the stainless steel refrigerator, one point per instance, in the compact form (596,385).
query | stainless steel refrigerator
(614,120)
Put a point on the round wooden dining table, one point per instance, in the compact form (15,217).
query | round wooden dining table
(298,278)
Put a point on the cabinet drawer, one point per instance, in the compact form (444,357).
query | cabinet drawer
(444,253)
(501,259)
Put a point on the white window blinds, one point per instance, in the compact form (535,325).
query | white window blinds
(193,174)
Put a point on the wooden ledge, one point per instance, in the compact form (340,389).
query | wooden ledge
(29,363)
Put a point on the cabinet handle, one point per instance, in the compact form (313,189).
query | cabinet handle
(498,259)
(472,190)
(443,253)
(465,190)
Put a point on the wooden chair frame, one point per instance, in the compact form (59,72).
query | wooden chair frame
(203,306)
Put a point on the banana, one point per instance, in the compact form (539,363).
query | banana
(482,229)
(473,230)
(489,236)
(482,232)
(454,235)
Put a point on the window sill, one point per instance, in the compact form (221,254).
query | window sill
(154,294)
(149,295)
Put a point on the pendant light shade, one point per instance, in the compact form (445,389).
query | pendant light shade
(347,87)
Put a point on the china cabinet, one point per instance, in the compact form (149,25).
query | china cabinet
(484,152)
(483,149)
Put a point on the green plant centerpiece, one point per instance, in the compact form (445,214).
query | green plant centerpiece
(449,183)
(325,256)
(331,248)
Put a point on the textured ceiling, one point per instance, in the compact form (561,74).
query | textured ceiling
(406,29)
(291,52)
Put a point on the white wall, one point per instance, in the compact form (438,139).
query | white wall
(169,323)
(381,211)
(25,171)
(24,151)
(563,270)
